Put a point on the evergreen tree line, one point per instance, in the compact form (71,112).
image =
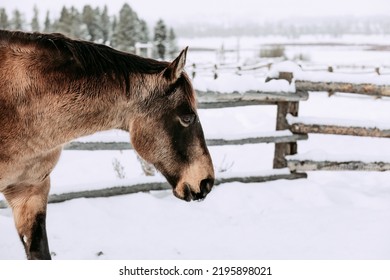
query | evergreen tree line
(94,24)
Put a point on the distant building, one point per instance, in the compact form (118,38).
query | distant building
(144,49)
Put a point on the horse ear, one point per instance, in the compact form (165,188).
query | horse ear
(174,70)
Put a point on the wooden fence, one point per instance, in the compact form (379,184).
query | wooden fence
(286,144)
(261,68)
(374,90)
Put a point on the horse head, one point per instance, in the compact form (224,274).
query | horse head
(166,131)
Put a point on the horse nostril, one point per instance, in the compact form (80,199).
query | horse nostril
(187,193)
(206,185)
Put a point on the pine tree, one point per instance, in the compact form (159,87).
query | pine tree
(160,38)
(144,32)
(126,32)
(172,44)
(4,24)
(35,21)
(47,24)
(90,18)
(70,24)
(78,28)
(64,23)
(17,21)
(114,25)
(105,25)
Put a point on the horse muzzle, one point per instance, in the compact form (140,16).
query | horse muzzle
(187,192)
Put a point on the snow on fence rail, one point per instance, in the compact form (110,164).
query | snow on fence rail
(312,165)
(300,125)
(378,86)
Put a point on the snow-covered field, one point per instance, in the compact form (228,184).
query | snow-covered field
(327,50)
(329,215)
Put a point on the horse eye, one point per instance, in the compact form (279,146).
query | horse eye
(187,119)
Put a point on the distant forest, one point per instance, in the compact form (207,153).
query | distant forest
(293,27)
(95,24)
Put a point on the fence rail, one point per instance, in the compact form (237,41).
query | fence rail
(366,89)
(209,100)
(339,130)
(296,165)
(261,68)
(95,146)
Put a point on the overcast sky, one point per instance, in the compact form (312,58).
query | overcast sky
(182,10)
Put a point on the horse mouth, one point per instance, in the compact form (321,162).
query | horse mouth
(186,193)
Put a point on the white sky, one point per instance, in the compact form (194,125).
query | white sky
(224,10)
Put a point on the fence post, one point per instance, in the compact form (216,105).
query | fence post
(193,70)
(285,108)
(283,149)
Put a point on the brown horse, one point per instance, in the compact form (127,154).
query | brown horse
(54,89)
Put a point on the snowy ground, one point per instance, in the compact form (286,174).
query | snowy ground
(330,215)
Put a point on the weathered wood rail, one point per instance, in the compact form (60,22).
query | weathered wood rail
(311,165)
(222,100)
(366,89)
(339,130)
(94,146)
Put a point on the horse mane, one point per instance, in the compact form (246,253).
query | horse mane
(83,58)
(78,59)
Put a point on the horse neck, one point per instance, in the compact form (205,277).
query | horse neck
(75,114)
